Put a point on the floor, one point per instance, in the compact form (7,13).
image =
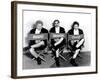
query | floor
(28,63)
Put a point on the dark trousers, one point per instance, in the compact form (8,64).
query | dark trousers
(54,51)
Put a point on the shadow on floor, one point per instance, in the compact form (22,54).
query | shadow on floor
(28,63)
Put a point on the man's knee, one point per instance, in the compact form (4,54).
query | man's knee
(31,50)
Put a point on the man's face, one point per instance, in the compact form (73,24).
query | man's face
(39,26)
(76,26)
(56,24)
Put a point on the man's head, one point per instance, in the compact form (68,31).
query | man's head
(75,25)
(56,23)
(39,24)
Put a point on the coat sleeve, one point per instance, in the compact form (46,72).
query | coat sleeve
(31,42)
(45,31)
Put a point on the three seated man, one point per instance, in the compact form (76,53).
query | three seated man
(37,44)
(57,43)
(77,42)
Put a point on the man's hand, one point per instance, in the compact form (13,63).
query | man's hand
(37,41)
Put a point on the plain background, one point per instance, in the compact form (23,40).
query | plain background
(66,21)
(5,41)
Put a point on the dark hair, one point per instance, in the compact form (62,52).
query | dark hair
(38,22)
(75,22)
(55,21)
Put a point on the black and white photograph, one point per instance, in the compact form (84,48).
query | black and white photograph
(54,39)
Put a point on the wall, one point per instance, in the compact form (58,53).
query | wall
(66,21)
(5,41)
